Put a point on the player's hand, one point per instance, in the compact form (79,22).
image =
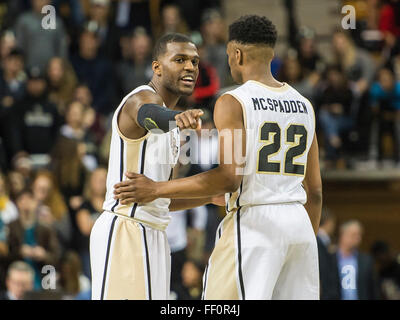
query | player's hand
(219,200)
(189,119)
(138,188)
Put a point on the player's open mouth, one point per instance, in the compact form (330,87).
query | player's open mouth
(189,80)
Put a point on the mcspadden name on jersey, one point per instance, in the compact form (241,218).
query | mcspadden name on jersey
(280,105)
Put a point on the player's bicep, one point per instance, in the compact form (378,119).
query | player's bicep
(228,118)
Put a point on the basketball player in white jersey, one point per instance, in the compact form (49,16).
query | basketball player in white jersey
(266,245)
(130,256)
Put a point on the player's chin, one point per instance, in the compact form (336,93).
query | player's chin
(186,90)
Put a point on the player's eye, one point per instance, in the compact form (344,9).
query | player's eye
(195,62)
(179,60)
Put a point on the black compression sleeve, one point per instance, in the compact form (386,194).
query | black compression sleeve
(153,116)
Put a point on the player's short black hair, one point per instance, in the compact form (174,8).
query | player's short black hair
(161,45)
(253,29)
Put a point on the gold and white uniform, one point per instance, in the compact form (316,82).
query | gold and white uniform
(129,252)
(265,246)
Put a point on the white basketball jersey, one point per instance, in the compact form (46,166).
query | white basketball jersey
(280,126)
(153,155)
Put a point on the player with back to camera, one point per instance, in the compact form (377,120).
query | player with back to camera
(266,246)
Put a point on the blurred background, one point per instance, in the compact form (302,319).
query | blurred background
(59,88)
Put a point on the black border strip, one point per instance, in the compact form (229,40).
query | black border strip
(121,168)
(240,255)
(141,172)
(107,256)
(147,261)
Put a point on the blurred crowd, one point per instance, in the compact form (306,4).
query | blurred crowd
(59,87)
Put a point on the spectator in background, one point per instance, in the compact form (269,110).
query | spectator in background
(87,214)
(62,82)
(357,65)
(356,278)
(8,213)
(52,210)
(388,270)
(94,70)
(30,240)
(74,284)
(309,58)
(16,183)
(335,115)
(207,83)
(327,269)
(214,33)
(40,45)
(389,21)
(69,170)
(39,120)
(12,91)
(136,69)
(74,128)
(292,72)
(8,42)
(385,104)
(99,20)
(191,289)
(172,20)
(20,280)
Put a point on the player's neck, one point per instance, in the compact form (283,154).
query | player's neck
(258,74)
(170,99)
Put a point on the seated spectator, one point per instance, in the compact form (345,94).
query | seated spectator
(52,210)
(357,65)
(39,120)
(8,213)
(62,81)
(30,240)
(94,70)
(75,129)
(385,104)
(16,183)
(136,69)
(309,58)
(20,280)
(12,91)
(292,72)
(69,171)
(355,275)
(39,45)
(335,115)
(74,284)
(87,214)
(8,43)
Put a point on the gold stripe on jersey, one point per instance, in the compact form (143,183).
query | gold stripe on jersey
(126,278)
(221,280)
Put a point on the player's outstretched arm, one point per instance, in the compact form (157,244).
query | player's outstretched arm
(228,117)
(313,186)
(144,111)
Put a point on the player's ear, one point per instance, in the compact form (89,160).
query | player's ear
(239,56)
(156,66)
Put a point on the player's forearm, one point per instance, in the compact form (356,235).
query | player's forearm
(314,208)
(202,185)
(185,204)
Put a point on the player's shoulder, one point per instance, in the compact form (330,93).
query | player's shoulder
(143,94)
